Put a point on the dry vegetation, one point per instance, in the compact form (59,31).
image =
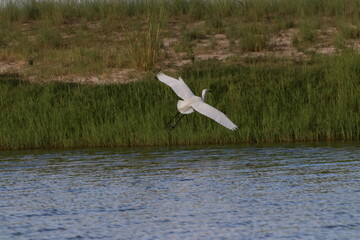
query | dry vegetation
(119,41)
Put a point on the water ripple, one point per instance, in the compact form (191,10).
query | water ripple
(303,191)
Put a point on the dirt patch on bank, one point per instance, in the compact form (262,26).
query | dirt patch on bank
(209,46)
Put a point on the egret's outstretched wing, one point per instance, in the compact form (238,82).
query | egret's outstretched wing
(179,86)
(214,114)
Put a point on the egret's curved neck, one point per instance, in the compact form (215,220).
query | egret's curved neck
(203,94)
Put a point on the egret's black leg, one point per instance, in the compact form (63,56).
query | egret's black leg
(177,121)
(167,124)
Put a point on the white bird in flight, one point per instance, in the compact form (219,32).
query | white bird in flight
(190,102)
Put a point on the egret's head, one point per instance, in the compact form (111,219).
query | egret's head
(204,92)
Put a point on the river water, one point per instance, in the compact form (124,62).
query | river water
(300,191)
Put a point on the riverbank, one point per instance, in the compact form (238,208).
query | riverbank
(271,100)
(82,74)
(121,41)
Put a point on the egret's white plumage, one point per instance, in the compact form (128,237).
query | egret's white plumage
(191,102)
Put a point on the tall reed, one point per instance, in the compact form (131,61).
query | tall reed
(270,103)
(144,46)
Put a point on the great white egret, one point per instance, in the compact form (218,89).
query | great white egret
(190,102)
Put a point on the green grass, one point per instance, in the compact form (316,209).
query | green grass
(255,38)
(214,11)
(307,32)
(271,100)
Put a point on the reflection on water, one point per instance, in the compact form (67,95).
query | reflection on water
(209,192)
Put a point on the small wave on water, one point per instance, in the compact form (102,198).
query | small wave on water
(299,191)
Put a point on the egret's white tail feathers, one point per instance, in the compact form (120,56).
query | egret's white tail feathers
(184,108)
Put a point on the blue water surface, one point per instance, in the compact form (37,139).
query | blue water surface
(287,191)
